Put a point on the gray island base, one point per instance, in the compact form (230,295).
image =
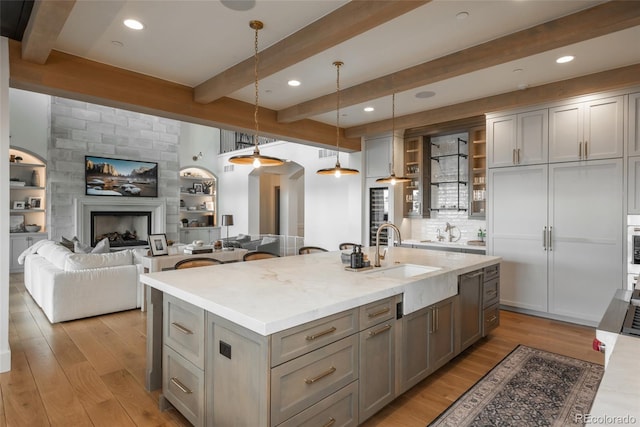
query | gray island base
(301,341)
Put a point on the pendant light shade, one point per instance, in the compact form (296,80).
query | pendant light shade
(338,170)
(392,178)
(256,159)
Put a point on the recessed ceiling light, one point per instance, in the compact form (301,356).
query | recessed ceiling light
(517,70)
(462,15)
(425,94)
(564,59)
(293,83)
(369,109)
(134,24)
(117,43)
(240,5)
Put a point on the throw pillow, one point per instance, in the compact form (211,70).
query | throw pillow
(55,254)
(102,247)
(68,243)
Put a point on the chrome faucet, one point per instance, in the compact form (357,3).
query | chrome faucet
(385,225)
(448,229)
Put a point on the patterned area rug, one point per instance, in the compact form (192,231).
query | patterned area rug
(530,387)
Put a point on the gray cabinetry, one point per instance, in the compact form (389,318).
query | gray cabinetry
(441,337)
(377,357)
(490,299)
(18,243)
(470,291)
(517,139)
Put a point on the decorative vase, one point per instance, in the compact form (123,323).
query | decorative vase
(35,179)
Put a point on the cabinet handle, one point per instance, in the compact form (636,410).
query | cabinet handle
(182,329)
(328,372)
(492,292)
(550,238)
(544,237)
(492,319)
(321,334)
(472,275)
(586,149)
(379,313)
(385,328)
(329,423)
(518,155)
(437,319)
(513,156)
(580,150)
(181,386)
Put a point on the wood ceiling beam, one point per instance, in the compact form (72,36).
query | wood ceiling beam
(607,80)
(350,20)
(45,24)
(594,22)
(78,78)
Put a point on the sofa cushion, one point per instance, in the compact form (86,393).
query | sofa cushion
(33,249)
(56,254)
(68,243)
(88,261)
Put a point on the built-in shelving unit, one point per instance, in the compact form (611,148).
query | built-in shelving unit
(416,167)
(198,206)
(448,177)
(477,173)
(27,205)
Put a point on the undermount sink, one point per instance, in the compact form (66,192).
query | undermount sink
(403,271)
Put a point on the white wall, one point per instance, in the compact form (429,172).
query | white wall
(30,121)
(5,350)
(333,206)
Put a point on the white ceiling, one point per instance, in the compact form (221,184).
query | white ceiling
(189,42)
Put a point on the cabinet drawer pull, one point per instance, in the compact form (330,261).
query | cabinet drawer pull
(586,149)
(181,386)
(182,329)
(580,150)
(492,292)
(493,319)
(328,372)
(321,334)
(329,423)
(379,331)
(379,313)
(472,275)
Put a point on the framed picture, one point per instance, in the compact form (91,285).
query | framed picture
(158,244)
(35,202)
(16,223)
(198,187)
(208,205)
(18,205)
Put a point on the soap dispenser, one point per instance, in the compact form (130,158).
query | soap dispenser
(354,257)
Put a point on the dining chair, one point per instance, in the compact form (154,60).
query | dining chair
(196,262)
(252,256)
(310,250)
(346,245)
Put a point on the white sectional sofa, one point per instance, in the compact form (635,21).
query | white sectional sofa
(69,285)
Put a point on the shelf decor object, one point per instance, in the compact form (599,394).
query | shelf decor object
(227,220)
(392,178)
(338,170)
(256,159)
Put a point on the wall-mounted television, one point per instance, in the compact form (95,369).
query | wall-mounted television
(105,176)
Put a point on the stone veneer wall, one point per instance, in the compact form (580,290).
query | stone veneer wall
(81,128)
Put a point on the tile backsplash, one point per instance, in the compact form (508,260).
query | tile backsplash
(426,229)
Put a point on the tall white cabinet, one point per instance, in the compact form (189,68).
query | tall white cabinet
(559,224)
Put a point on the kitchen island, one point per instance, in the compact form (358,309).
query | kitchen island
(284,340)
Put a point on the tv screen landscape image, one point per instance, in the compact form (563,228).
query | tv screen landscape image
(116,177)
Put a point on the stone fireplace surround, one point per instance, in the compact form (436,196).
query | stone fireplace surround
(84,206)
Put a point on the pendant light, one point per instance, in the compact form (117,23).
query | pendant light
(256,159)
(393,179)
(338,170)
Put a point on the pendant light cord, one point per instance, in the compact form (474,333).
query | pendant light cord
(393,132)
(338,64)
(255,75)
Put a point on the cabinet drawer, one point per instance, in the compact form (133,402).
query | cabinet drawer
(491,319)
(338,410)
(491,272)
(183,329)
(302,382)
(491,292)
(376,312)
(183,386)
(302,339)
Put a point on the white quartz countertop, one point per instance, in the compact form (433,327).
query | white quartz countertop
(272,295)
(618,399)
(436,245)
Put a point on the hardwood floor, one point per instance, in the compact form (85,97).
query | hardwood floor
(91,371)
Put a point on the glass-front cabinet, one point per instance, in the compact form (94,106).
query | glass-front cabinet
(449,173)
(416,167)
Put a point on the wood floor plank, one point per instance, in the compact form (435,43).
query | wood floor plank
(95,350)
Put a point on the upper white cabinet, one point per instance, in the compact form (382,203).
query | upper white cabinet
(586,131)
(634,124)
(518,139)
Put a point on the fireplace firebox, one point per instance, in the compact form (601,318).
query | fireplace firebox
(122,228)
